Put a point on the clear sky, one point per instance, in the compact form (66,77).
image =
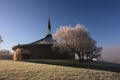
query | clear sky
(25,21)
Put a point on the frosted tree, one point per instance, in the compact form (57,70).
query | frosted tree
(1,39)
(78,41)
(5,54)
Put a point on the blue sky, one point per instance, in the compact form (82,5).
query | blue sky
(25,21)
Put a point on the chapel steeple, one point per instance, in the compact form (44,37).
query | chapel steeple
(49,27)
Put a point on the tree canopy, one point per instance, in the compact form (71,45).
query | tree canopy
(1,39)
(78,41)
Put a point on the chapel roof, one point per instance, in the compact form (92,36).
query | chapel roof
(47,40)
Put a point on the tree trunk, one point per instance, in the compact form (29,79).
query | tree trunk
(88,56)
(79,56)
(82,57)
(91,56)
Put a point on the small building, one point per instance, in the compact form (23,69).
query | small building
(40,49)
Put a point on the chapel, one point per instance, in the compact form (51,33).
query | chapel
(40,49)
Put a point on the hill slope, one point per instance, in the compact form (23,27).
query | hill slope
(14,70)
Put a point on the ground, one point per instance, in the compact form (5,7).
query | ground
(43,70)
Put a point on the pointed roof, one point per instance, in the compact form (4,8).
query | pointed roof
(48,39)
(49,27)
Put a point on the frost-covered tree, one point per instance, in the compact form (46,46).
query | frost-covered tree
(1,39)
(5,54)
(78,41)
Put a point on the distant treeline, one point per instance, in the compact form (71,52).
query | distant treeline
(6,55)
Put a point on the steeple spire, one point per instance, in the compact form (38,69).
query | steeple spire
(49,27)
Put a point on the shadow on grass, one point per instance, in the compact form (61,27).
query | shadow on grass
(95,65)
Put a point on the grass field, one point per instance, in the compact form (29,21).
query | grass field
(43,70)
